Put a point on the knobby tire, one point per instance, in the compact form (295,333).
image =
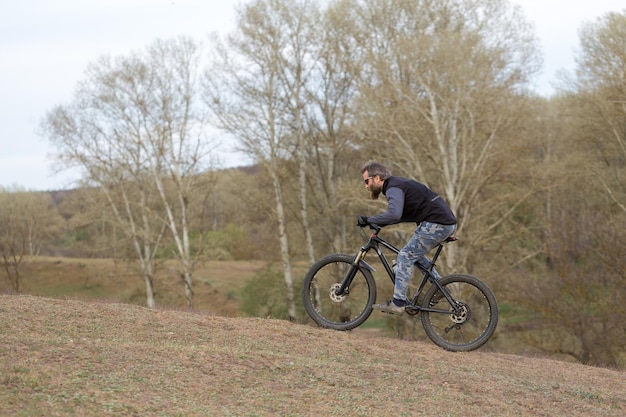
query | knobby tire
(338,312)
(473,322)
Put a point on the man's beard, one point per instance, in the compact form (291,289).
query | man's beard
(374,193)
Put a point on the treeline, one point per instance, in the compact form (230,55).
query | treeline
(439,91)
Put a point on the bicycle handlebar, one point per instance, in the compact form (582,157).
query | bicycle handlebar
(377,228)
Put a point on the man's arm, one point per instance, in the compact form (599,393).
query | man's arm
(395,206)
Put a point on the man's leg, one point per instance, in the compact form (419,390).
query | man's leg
(426,237)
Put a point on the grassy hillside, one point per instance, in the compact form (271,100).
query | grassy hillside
(216,283)
(62,357)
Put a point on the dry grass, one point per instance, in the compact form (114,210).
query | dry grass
(216,283)
(62,357)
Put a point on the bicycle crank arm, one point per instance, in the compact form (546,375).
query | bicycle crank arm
(456,326)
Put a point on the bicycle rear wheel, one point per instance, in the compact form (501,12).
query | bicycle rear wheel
(332,311)
(471,324)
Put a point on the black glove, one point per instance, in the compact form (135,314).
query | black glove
(361,221)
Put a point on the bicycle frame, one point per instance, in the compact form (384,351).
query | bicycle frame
(375,242)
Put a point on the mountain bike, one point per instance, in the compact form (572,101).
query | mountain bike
(459,312)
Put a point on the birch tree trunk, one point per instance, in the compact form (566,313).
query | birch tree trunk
(297,23)
(246,92)
(284,246)
(178,149)
(140,231)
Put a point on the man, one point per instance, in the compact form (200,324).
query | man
(407,201)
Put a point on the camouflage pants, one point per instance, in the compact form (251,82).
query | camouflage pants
(426,237)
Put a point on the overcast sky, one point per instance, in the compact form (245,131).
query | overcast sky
(45,46)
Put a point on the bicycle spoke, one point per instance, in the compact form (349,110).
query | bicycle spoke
(470,323)
(332,310)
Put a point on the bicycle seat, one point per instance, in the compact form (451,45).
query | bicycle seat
(451,239)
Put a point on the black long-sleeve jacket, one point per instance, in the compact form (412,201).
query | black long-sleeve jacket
(411,201)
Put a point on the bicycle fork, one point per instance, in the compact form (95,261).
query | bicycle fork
(347,280)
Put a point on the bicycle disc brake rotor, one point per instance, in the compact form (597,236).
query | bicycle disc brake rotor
(461,314)
(333,293)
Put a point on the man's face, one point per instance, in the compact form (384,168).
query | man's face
(373,184)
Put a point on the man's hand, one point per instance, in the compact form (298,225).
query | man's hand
(361,221)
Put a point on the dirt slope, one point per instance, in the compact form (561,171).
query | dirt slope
(66,357)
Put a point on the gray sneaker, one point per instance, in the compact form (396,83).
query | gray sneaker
(389,307)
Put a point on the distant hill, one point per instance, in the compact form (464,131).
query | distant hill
(61,357)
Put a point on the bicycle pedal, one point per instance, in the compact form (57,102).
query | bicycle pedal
(412,310)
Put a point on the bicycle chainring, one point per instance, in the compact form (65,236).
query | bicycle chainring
(461,314)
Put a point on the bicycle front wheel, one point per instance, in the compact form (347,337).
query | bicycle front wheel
(332,311)
(469,323)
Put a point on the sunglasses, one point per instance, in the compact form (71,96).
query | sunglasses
(367,180)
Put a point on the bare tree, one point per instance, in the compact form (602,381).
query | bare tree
(577,298)
(13,238)
(134,129)
(574,300)
(332,159)
(246,94)
(27,219)
(598,92)
(297,22)
(175,141)
(440,96)
(112,163)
